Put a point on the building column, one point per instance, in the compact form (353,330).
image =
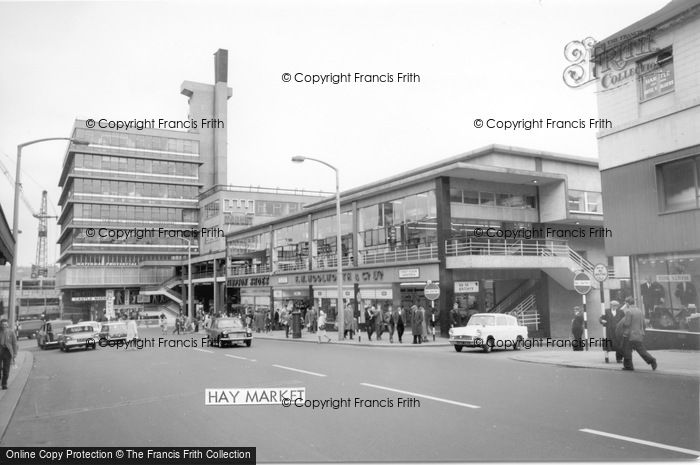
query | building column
(215,290)
(444,231)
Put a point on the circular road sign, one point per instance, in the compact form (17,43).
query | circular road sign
(431,291)
(600,272)
(582,283)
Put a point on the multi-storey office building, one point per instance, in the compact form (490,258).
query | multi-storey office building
(649,87)
(143,181)
(445,223)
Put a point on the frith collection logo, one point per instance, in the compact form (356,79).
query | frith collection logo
(613,62)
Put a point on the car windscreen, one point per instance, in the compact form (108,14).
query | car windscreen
(478,320)
(226,324)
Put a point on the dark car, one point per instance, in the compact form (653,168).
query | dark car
(113,331)
(29,328)
(49,333)
(223,331)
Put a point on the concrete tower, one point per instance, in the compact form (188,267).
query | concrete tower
(207,106)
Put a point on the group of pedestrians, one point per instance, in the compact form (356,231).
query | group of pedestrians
(624,327)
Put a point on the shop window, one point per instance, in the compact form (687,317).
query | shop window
(656,75)
(679,184)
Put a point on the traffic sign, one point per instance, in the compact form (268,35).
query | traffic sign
(431,291)
(582,283)
(600,272)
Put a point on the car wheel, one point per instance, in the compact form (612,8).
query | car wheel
(518,343)
(248,343)
(458,347)
(488,345)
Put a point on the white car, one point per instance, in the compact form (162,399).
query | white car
(488,331)
(82,335)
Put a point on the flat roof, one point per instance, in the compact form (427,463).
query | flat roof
(7,242)
(462,165)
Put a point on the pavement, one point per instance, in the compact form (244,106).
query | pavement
(18,379)
(359,339)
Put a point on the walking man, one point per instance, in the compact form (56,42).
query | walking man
(417,325)
(399,318)
(8,350)
(634,335)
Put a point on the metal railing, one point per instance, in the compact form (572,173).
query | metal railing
(526,312)
(331,261)
(246,270)
(505,304)
(523,247)
(399,254)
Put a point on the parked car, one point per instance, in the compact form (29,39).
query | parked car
(95,324)
(48,334)
(76,336)
(113,331)
(29,328)
(230,331)
(488,331)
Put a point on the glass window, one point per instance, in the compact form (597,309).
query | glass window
(679,185)
(79,160)
(487,198)
(656,75)
(455,195)
(471,197)
(576,201)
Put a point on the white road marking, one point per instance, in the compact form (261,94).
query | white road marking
(438,399)
(299,371)
(641,441)
(204,350)
(240,358)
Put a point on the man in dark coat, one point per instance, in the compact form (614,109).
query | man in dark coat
(612,316)
(399,318)
(577,329)
(634,333)
(416,325)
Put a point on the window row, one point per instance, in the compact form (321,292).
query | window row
(679,184)
(137,141)
(135,165)
(118,260)
(133,213)
(273,208)
(134,189)
(492,199)
(585,202)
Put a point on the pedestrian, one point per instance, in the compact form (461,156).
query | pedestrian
(8,350)
(454,316)
(284,321)
(378,321)
(634,334)
(416,325)
(389,322)
(609,320)
(577,329)
(322,327)
(178,324)
(349,322)
(163,324)
(268,321)
(132,332)
(399,318)
(370,323)
(424,325)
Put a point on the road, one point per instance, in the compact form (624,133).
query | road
(470,406)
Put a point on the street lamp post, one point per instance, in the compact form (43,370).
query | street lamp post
(340,318)
(15,220)
(189,276)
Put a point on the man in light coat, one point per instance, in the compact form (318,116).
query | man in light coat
(8,350)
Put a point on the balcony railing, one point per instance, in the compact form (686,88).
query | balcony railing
(246,270)
(109,275)
(399,254)
(524,247)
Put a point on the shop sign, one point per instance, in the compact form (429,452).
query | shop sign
(673,278)
(282,280)
(466,287)
(93,298)
(248,282)
(409,273)
(331,278)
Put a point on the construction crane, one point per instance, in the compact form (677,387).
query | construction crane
(40,267)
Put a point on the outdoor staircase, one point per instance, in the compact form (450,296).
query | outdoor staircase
(166,288)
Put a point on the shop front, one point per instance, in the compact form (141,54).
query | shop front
(665,287)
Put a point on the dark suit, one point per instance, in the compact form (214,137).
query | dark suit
(652,293)
(634,337)
(8,352)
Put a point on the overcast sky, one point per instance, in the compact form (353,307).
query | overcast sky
(476,59)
